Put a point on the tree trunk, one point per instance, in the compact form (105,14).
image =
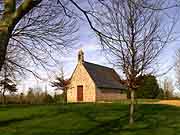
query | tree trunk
(5,83)
(4,39)
(3,98)
(65,96)
(132,106)
(10,17)
(21,98)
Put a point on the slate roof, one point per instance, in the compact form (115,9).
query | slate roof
(104,77)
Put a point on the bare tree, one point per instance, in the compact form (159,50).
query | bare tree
(168,88)
(14,60)
(10,16)
(10,71)
(160,5)
(135,38)
(178,68)
(15,12)
(40,28)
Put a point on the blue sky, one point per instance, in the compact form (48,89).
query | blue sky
(88,42)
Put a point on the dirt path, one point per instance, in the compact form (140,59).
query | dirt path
(169,102)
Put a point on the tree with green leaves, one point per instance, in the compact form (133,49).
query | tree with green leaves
(7,85)
(60,83)
(7,80)
(148,88)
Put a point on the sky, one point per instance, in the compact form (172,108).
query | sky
(92,51)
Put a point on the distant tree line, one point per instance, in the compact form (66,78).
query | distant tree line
(33,96)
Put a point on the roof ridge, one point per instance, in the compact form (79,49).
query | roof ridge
(103,76)
(98,65)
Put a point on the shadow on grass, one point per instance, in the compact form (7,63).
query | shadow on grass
(14,120)
(21,119)
(111,119)
(147,118)
(106,126)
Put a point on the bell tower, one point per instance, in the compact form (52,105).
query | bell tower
(80,56)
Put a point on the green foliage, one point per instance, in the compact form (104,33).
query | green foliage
(149,88)
(61,84)
(8,85)
(59,98)
(88,119)
(161,94)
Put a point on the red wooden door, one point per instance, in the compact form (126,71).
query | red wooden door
(80,93)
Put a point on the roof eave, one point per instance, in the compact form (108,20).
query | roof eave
(101,87)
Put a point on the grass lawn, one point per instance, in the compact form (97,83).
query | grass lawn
(89,119)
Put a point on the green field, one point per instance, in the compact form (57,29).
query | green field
(88,119)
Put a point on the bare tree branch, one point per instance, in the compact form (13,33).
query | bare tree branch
(138,37)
